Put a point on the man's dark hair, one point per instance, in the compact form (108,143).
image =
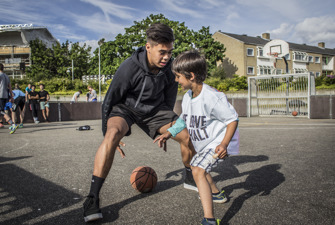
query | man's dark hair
(1,67)
(191,61)
(159,33)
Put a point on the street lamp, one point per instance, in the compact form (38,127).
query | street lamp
(69,70)
(100,43)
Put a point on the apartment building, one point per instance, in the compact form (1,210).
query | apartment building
(15,51)
(246,54)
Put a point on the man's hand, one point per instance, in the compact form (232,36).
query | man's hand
(162,140)
(221,151)
(120,150)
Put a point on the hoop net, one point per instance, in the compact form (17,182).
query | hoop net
(273,57)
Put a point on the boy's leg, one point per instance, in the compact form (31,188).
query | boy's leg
(214,188)
(117,128)
(205,192)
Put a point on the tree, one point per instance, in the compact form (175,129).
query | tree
(42,59)
(113,53)
(54,62)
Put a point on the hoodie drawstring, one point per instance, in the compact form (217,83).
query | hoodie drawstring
(141,93)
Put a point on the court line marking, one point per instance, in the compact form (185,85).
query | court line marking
(23,146)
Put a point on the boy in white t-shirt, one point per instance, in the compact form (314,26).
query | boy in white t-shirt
(212,124)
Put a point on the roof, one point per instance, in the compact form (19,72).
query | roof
(247,39)
(259,41)
(22,36)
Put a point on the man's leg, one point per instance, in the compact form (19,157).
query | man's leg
(47,112)
(187,153)
(117,128)
(43,114)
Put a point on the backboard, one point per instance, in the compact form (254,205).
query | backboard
(276,48)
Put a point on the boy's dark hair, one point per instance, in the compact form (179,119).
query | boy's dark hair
(1,67)
(191,61)
(33,86)
(80,92)
(159,33)
(42,85)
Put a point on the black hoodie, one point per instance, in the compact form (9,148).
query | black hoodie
(139,89)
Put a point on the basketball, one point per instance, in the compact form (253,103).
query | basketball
(143,179)
(294,113)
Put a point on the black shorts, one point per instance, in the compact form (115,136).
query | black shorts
(19,102)
(3,102)
(149,123)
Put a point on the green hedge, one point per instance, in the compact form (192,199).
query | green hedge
(60,86)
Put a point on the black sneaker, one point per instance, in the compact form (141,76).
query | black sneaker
(189,182)
(91,209)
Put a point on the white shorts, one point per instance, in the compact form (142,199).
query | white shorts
(205,160)
(43,105)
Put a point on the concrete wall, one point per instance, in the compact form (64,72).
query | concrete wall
(322,107)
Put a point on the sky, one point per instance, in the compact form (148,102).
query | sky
(87,21)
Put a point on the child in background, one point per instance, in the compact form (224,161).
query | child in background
(212,124)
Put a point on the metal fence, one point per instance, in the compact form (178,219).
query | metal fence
(280,94)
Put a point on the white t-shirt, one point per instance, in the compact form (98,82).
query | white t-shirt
(206,117)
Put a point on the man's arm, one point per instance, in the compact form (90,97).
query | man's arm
(10,91)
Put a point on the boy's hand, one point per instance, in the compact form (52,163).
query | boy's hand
(162,140)
(221,151)
(120,150)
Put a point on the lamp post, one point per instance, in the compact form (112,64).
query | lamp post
(99,76)
(72,71)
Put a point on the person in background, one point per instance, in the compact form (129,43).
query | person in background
(76,96)
(6,95)
(19,103)
(93,94)
(44,98)
(33,102)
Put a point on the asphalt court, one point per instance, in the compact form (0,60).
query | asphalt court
(285,174)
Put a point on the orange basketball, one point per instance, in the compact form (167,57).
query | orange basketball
(143,179)
(294,113)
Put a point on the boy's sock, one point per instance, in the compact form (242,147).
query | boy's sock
(10,122)
(216,193)
(96,185)
(188,169)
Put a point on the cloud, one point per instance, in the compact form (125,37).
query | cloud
(317,29)
(282,32)
(98,24)
(111,9)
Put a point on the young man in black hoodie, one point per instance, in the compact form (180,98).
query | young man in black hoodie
(143,91)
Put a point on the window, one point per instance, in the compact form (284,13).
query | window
(260,52)
(250,52)
(300,56)
(250,70)
(317,74)
(325,60)
(310,58)
(265,70)
(317,59)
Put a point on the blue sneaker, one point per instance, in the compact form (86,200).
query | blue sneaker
(206,222)
(21,125)
(14,127)
(220,198)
